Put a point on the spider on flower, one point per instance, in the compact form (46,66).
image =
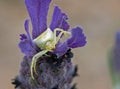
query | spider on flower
(47,42)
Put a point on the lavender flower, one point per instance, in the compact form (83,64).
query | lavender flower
(114,62)
(47,61)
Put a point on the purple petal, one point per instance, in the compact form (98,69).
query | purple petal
(77,38)
(117,38)
(26,44)
(27,48)
(38,10)
(115,58)
(26,25)
(59,20)
(23,37)
(61,48)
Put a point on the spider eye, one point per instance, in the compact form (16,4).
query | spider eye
(42,39)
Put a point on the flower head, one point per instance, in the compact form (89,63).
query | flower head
(116,54)
(114,62)
(47,62)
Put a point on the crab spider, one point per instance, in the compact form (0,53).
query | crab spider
(47,42)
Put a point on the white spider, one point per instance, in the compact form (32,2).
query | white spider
(46,42)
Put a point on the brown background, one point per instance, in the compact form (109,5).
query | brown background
(100,20)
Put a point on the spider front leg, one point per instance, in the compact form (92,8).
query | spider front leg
(34,60)
(57,38)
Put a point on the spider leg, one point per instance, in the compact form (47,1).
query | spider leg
(56,39)
(34,60)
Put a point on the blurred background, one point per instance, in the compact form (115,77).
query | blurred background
(100,20)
